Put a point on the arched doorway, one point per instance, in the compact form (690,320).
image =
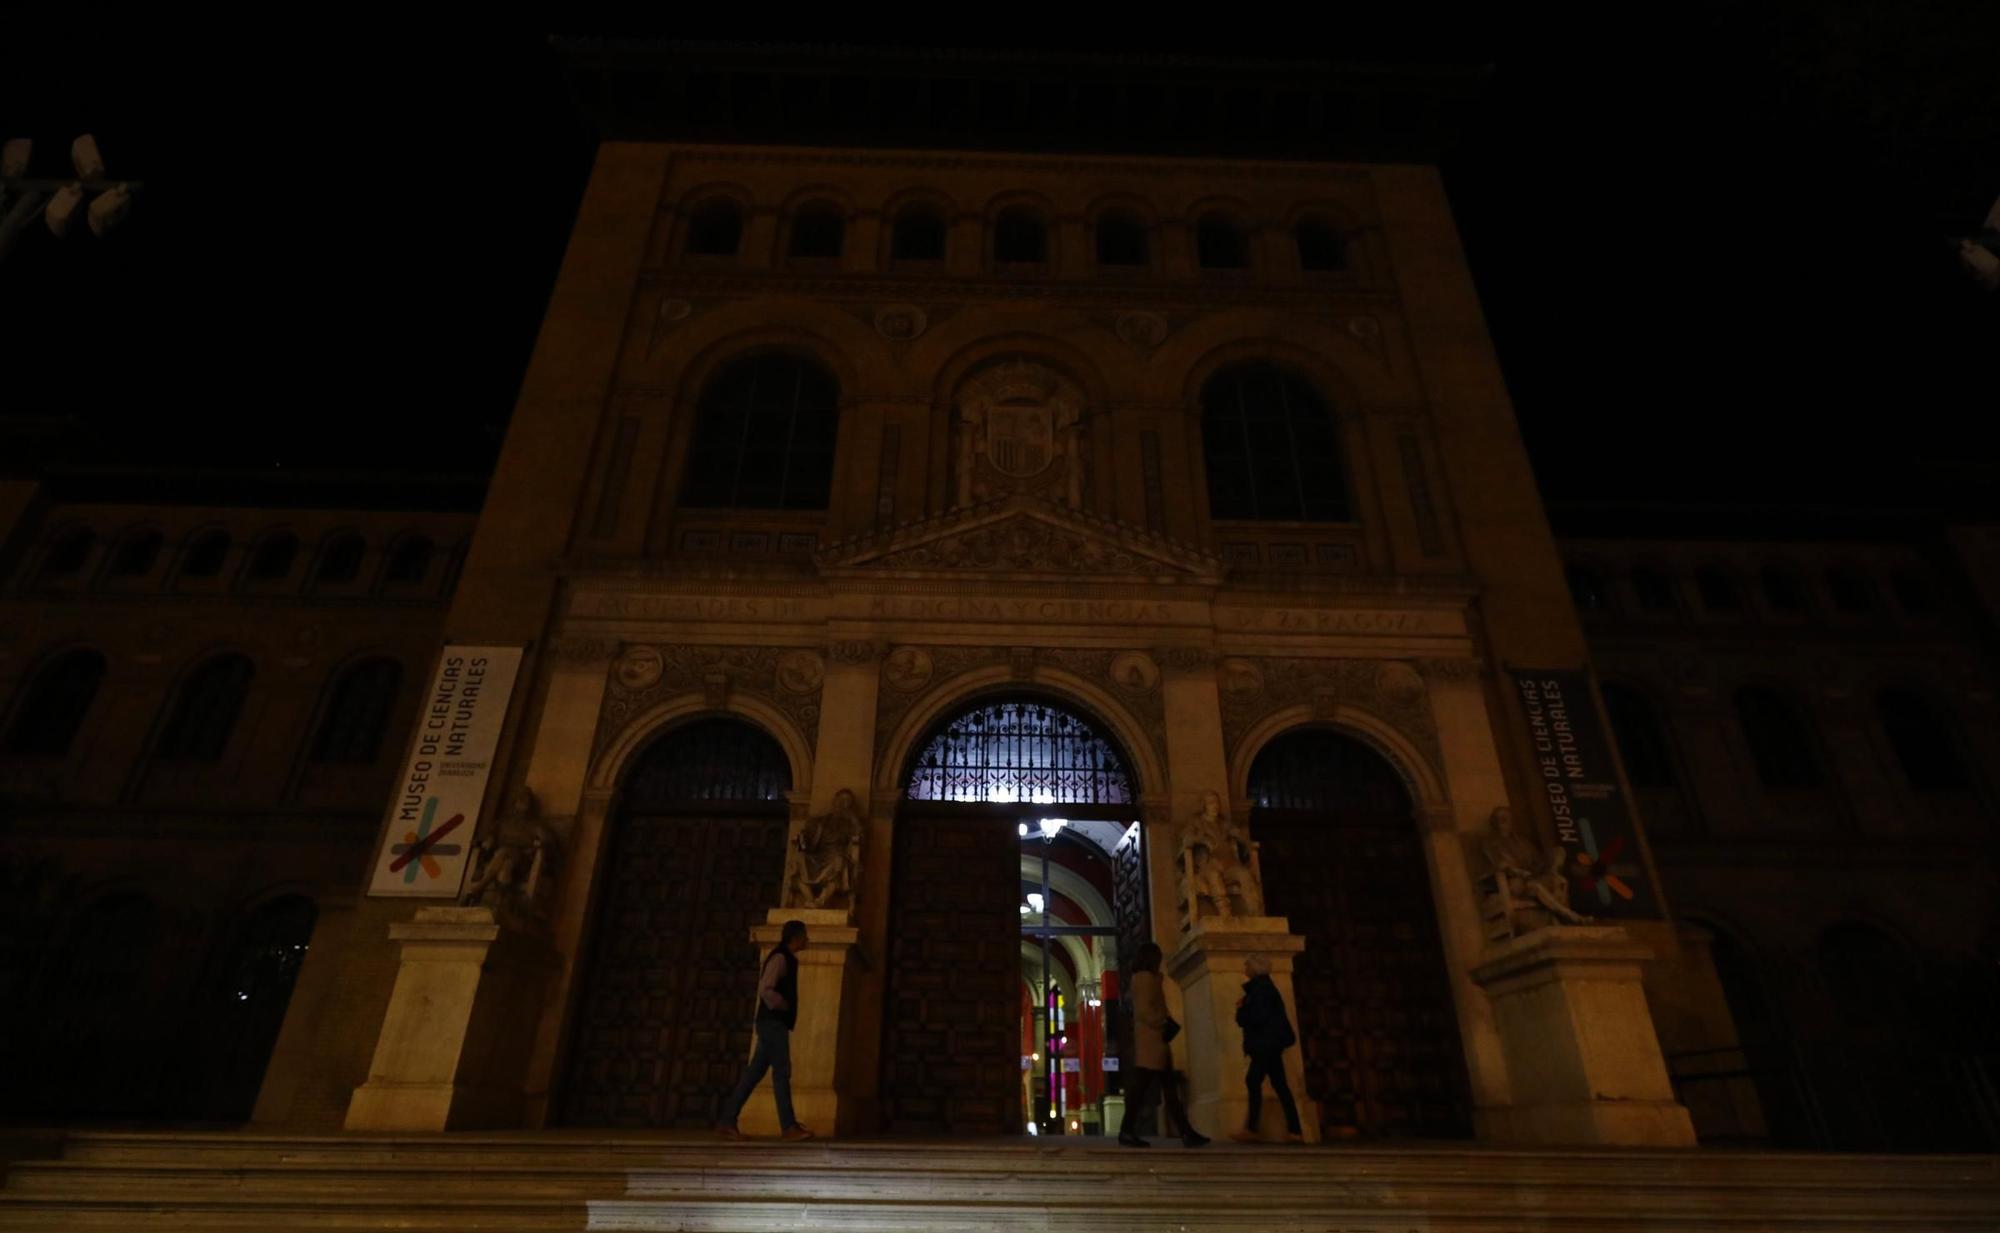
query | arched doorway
(1017,884)
(693,861)
(235,1021)
(1344,863)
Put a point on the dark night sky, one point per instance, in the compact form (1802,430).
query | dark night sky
(1713,254)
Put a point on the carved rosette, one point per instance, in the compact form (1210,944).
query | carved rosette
(1252,688)
(644,676)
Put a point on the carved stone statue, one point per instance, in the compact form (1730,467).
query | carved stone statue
(1528,881)
(514,864)
(825,859)
(1216,865)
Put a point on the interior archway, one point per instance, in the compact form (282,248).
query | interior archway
(694,860)
(1343,861)
(1016,886)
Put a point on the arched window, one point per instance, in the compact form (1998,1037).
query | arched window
(410,561)
(1641,743)
(272,558)
(357,712)
(709,760)
(340,560)
(1783,590)
(243,1005)
(1654,590)
(53,706)
(1780,743)
(1913,593)
(1271,447)
(1923,743)
(818,231)
(1020,237)
(1852,593)
(1221,243)
(763,439)
(1586,588)
(67,556)
(1020,751)
(205,710)
(135,554)
(918,234)
(1719,592)
(1121,240)
(206,554)
(1321,246)
(715,228)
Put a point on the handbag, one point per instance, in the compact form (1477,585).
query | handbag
(1170,1029)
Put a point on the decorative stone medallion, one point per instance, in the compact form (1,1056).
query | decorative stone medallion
(1142,330)
(640,667)
(900,322)
(1135,672)
(1240,678)
(800,672)
(908,669)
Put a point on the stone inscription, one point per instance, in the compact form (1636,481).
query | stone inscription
(1331,621)
(972,608)
(689,607)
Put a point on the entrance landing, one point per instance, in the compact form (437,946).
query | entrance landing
(587,1180)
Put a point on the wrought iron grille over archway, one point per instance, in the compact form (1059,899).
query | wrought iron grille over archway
(1020,751)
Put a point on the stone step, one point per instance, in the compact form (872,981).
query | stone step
(109,1180)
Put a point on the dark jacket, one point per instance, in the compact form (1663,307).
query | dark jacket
(788,989)
(1266,1027)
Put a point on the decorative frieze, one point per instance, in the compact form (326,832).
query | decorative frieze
(644,676)
(1252,688)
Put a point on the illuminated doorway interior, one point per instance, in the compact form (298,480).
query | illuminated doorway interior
(1023,806)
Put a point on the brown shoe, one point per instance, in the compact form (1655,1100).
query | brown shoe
(730,1133)
(1294,1137)
(795,1132)
(1246,1136)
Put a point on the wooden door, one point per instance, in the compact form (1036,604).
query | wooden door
(663,1027)
(951,1060)
(1377,1029)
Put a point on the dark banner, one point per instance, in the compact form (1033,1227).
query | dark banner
(1576,775)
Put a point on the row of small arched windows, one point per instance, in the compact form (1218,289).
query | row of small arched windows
(1782,587)
(1019,236)
(765,428)
(204,556)
(202,714)
(1781,742)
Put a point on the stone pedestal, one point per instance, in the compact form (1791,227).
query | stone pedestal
(825,969)
(1208,967)
(460,1023)
(1583,1063)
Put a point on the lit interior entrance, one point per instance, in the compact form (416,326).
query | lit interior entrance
(1017,895)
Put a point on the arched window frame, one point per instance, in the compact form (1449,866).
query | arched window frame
(178,740)
(703,206)
(718,761)
(903,209)
(1123,211)
(1225,241)
(354,717)
(1312,229)
(400,564)
(135,555)
(195,551)
(68,557)
(42,724)
(1052,749)
(697,462)
(261,563)
(1721,591)
(811,210)
(1782,587)
(1336,430)
(1926,745)
(1654,593)
(1589,588)
(1029,212)
(1801,767)
(339,561)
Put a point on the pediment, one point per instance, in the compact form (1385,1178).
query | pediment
(1021,536)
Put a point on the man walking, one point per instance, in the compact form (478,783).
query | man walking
(1267,1033)
(777,1015)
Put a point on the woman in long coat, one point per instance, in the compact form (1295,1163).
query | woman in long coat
(1153,1062)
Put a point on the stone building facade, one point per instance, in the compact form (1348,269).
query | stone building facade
(1196,480)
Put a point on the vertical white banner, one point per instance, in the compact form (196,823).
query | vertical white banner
(435,807)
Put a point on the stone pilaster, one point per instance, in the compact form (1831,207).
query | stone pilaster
(1208,967)
(453,1048)
(826,969)
(1584,1063)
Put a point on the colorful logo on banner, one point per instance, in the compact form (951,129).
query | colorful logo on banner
(1579,780)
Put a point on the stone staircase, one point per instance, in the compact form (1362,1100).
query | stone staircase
(554,1181)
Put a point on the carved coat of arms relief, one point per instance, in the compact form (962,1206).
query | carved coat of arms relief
(1017,430)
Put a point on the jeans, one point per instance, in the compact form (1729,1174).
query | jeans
(1272,1066)
(1145,1085)
(773,1053)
